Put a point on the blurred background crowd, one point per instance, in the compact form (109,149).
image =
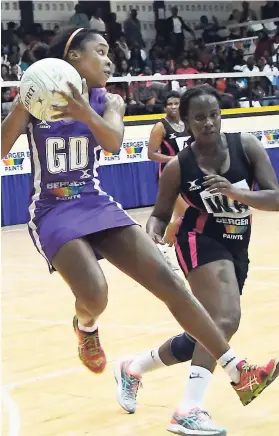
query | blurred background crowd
(177,49)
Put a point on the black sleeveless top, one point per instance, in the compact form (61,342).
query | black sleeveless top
(215,215)
(173,141)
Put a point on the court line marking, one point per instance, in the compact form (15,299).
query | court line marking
(56,374)
(46,376)
(13,412)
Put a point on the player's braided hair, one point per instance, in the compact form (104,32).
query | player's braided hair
(193,93)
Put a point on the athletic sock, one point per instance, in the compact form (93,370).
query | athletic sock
(197,384)
(87,329)
(229,363)
(145,362)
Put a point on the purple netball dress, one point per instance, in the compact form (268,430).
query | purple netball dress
(67,201)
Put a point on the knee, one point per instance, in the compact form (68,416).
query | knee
(95,297)
(182,347)
(229,324)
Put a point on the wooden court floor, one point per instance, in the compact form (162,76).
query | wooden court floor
(46,390)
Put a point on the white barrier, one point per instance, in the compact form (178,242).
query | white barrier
(134,147)
(161,78)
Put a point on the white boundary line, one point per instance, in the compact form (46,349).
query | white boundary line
(47,376)
(13,413)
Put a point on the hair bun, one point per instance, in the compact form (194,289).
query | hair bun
(39,51)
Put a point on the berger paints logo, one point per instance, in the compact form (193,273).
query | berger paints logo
(235,229)
(14,161)
(108,156)
(133,149)
(271,136)
(65,190)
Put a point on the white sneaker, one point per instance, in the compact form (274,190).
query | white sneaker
(127,386)
(195,422)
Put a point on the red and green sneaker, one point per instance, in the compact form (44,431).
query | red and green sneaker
(255,379)
(90,350)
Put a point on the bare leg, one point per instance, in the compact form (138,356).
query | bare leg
(216,287)
(77,264)
(131,250)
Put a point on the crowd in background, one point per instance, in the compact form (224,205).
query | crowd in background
(178,49)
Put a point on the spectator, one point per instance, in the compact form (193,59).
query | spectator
(264,44)
(122,68)
(26,60)
(114,29)
(169,66)
(20,33)
(187,67)
(234,18)
(136,60)
(175,26)
(122,45)
(247,14)
(5,71)
(9,35)
(211,67)
(6,101)
(210,30)
(270,10)
(56,28)
(132,29)
(250,66)
(96,22)
(79,19)
(204,53)
(14,55)
(136,50)
(270,67)
(275,49)
(143,95)
(199,67)
(16,72)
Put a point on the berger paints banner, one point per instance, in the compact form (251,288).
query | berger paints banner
(133,149)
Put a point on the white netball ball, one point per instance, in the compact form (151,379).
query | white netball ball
(40,83)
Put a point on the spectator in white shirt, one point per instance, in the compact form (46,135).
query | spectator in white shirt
(175,26)
(96,22)
(249,67)
(79,19)
(269,67)
(122,45)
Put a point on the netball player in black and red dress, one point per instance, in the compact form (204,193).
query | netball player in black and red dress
(215,176)
(168,137)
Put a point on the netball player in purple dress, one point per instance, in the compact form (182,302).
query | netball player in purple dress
(73,222)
